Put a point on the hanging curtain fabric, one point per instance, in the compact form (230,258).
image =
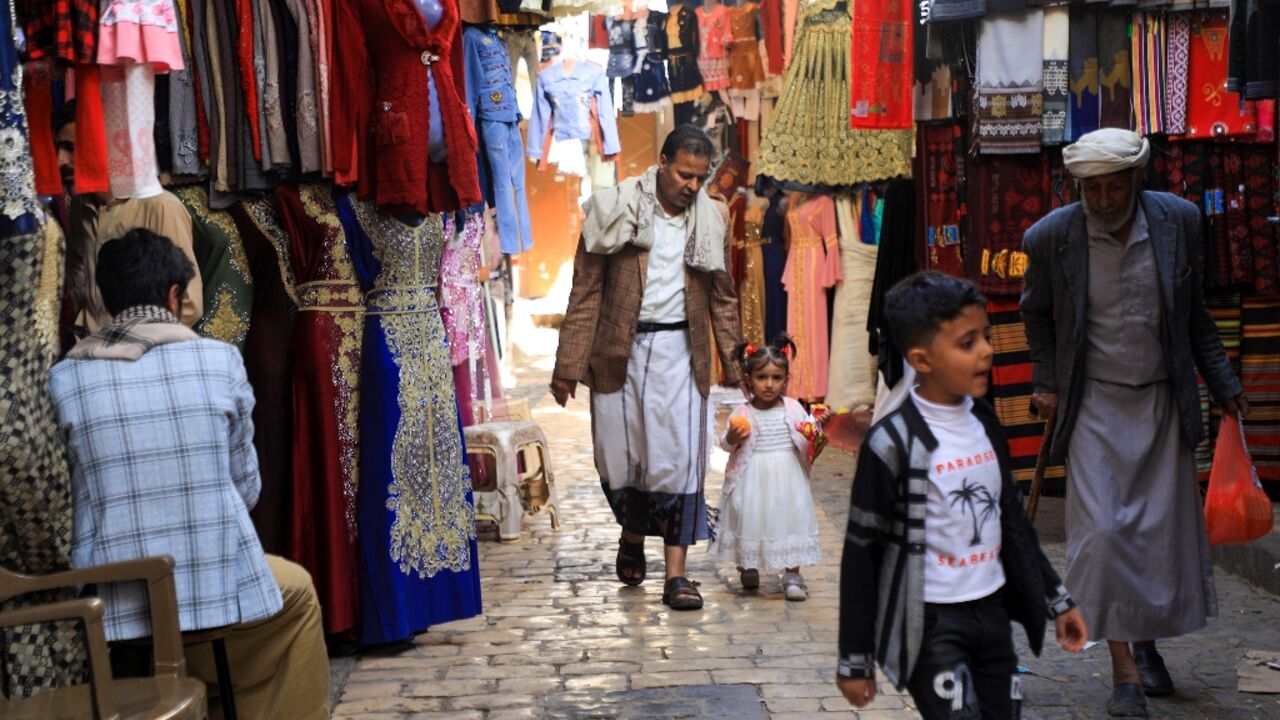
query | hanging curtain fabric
(1057,33)
(1177,57)
(1149,47)
(1010,89)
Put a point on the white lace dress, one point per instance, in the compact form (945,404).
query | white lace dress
(768,520)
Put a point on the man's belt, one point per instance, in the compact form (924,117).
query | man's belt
(652,327)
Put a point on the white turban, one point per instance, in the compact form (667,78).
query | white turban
(1106,151)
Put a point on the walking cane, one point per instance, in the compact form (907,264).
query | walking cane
(1042,461)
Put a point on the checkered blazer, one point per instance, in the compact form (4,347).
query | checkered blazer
(604,308)
(163,462)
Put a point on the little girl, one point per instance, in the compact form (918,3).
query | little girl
(767,519)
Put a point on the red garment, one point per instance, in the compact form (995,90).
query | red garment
(248,80)
(202,117)
(1212,110)
(39,103)
(881,81)
(63,29)
(326,350)
(598,36)
(938,166)
(771,22)
(91,132)
(381,114)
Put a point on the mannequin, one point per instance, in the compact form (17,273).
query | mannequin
(431,12)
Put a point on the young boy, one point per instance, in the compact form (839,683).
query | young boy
(939,555)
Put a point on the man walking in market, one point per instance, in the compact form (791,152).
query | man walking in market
(651,286)
(1117,327)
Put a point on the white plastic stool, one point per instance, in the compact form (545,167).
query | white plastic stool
(517,494)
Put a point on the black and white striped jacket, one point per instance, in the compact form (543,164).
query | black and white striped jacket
(882,572)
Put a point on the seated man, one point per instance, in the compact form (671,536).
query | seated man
(157,424)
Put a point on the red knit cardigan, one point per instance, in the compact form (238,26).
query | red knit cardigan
(381,107)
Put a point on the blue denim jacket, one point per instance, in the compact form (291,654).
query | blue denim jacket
(491,93)
(562,104)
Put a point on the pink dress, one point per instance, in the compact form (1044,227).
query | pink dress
(813,266)
(139,31)
(715,35)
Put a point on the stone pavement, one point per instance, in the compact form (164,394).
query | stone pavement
(561,638)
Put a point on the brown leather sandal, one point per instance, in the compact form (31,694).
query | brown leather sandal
(630,564)
(681,594)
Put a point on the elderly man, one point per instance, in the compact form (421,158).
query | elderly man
(1118,328)
(160,441)
(650,286)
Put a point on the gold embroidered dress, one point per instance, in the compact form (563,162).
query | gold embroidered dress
(416,520)
(809,144)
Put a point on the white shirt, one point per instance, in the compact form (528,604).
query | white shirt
(664,287)
(962,525)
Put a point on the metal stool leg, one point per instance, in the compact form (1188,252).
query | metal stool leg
(225,693)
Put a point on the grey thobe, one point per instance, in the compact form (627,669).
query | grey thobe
(1138,558)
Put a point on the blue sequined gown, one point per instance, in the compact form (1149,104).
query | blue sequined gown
(418,561)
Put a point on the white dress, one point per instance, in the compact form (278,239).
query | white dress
(768,520)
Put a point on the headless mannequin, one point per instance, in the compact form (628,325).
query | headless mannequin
(431,12)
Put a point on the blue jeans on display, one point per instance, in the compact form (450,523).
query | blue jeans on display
(501,161)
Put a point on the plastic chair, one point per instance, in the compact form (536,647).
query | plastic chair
(517,493)
(167,695)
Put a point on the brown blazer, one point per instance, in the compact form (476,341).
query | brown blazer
(604,308)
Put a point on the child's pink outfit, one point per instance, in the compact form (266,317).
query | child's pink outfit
(767,516)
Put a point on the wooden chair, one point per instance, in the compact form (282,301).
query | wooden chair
(167,695)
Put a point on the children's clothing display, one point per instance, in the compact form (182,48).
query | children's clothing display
(714,37)
(682,51)
(767,515)
(653,92)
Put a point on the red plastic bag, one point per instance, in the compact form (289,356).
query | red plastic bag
(1236,510)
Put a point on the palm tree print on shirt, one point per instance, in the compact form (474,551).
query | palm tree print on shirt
(978,503)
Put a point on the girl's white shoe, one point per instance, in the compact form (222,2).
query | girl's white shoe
(793,585)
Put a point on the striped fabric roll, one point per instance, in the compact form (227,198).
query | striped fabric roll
(1260,373)
(1010,393)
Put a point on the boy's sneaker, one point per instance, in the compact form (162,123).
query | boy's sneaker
(750,578)
(794,586)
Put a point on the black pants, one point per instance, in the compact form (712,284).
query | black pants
(967,667)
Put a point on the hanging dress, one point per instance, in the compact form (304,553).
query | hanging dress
(809,143)
(714,38)
(652,89)
(417,544)
(326,401)
(813,266)
(682,51)
(746,71)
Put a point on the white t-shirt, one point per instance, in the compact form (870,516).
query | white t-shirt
(962,525)
(664,287)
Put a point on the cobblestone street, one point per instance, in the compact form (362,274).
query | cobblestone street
(562,638)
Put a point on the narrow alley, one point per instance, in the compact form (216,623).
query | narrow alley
(562,639)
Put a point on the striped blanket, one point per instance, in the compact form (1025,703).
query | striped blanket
(1010,393)
(1260,373)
